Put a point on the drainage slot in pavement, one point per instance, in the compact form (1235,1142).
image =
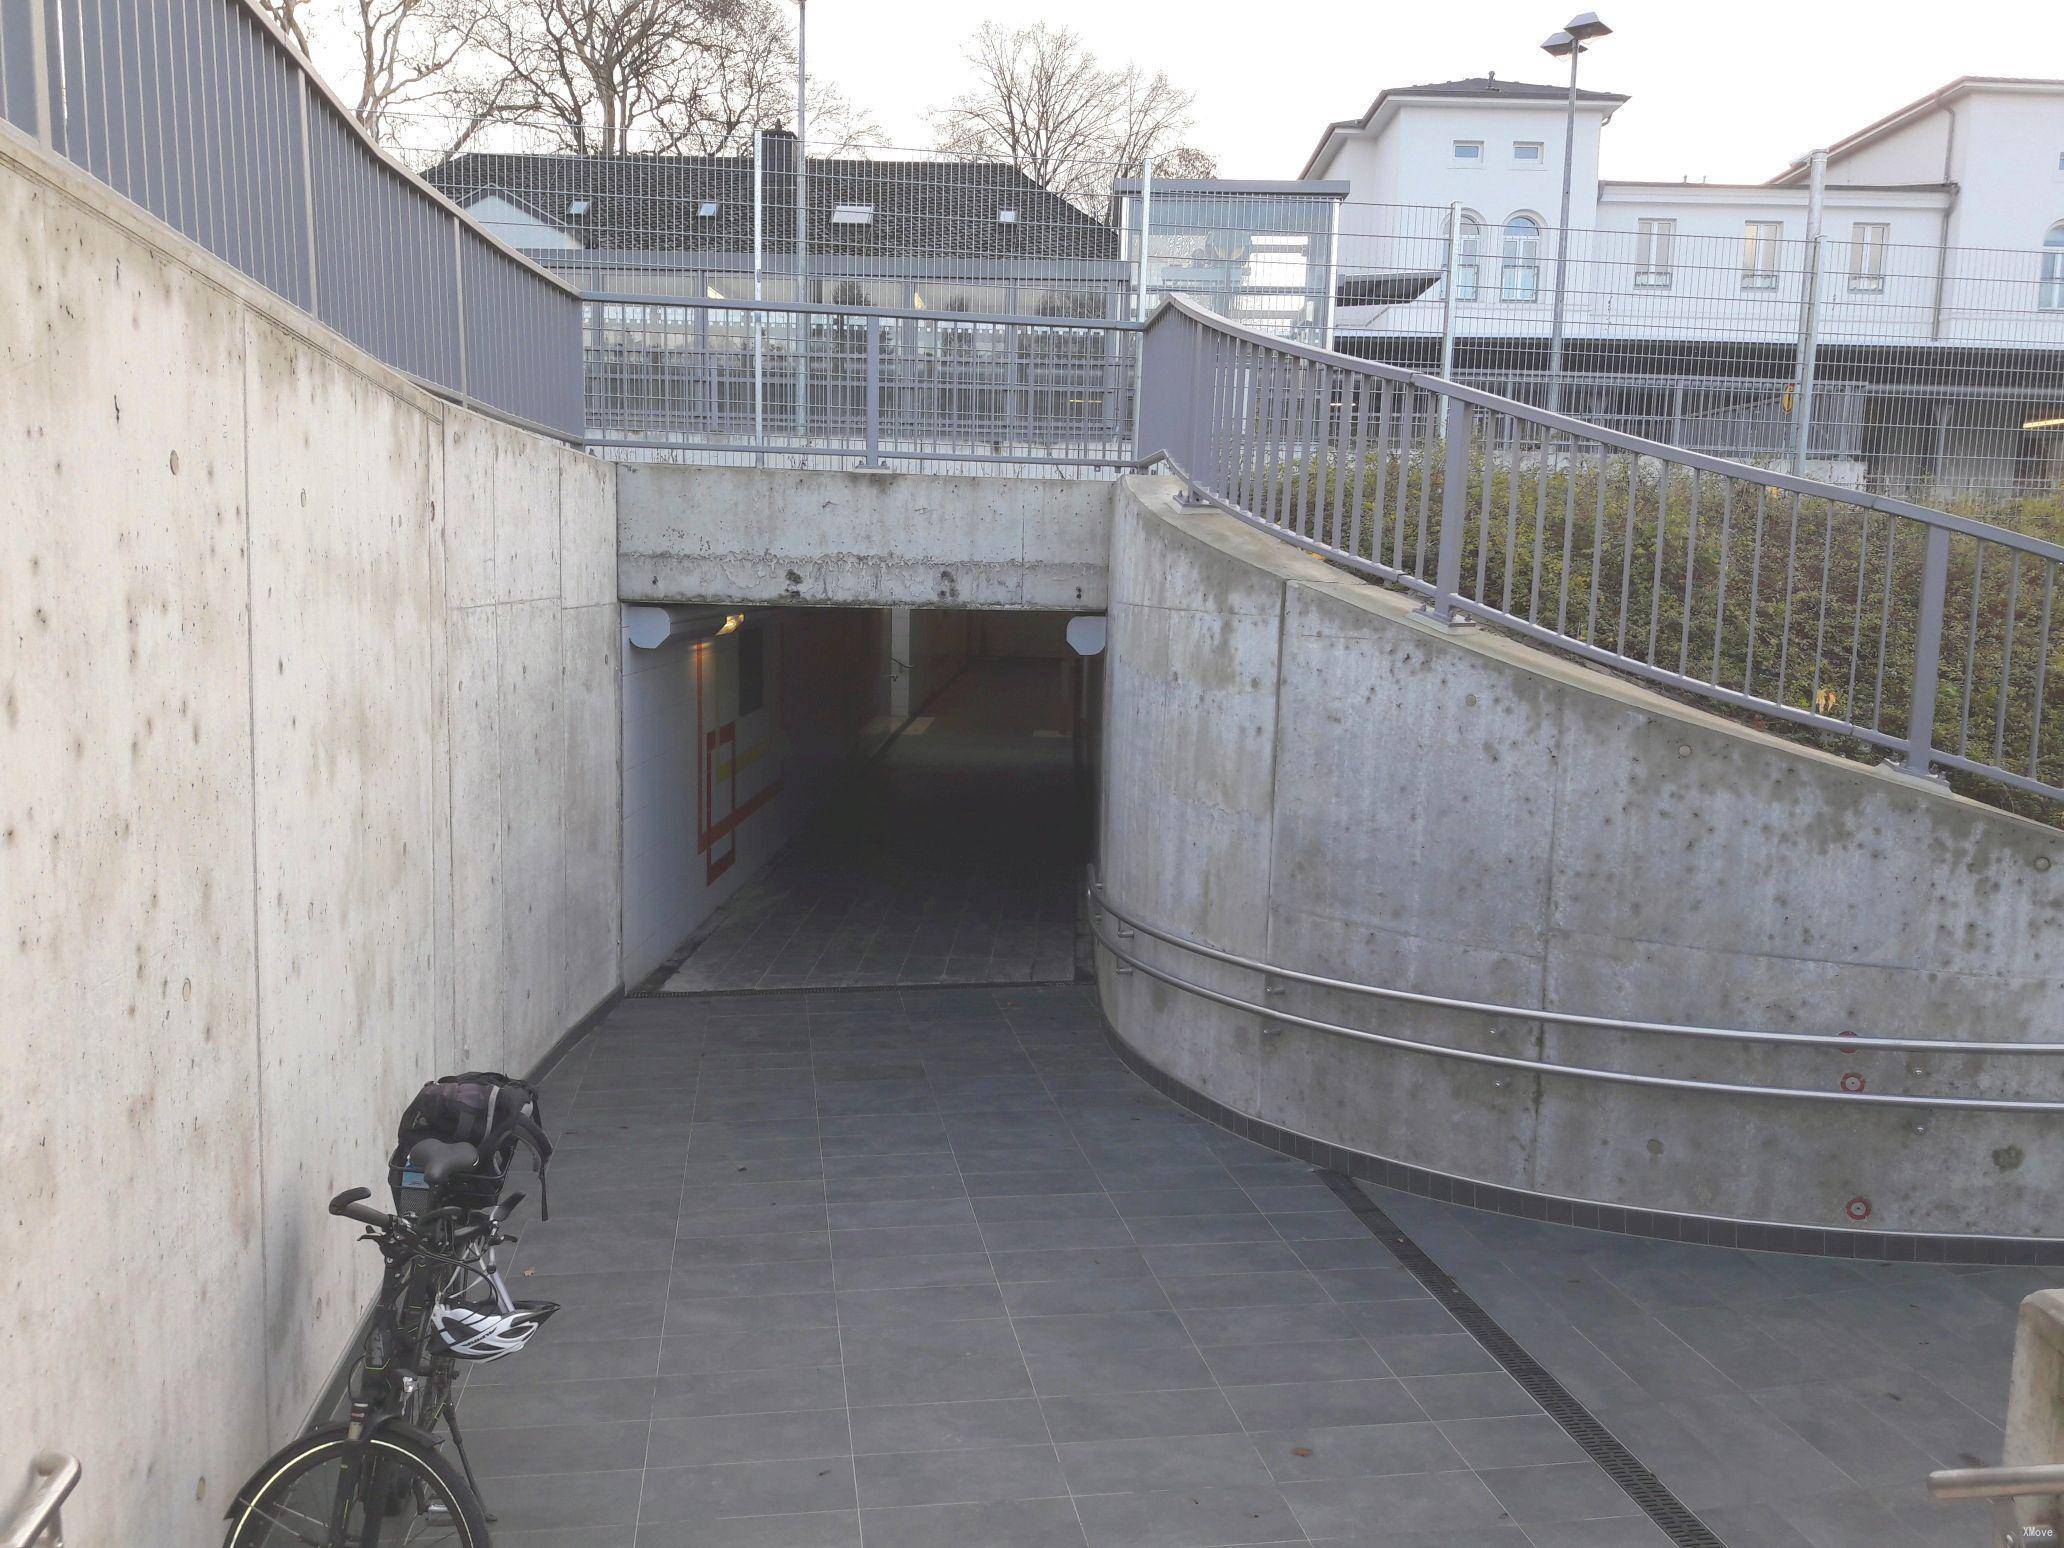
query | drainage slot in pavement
(1641,1486)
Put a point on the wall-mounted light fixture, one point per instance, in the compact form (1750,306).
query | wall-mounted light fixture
(650,626)
(2044,424)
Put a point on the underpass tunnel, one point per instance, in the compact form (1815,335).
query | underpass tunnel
(854,797)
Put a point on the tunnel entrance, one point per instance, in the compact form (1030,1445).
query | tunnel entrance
(946,843)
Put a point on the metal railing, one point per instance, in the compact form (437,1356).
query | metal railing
(201,113)
(787,385)
(38,1522)
(1275,976)
(1925,635)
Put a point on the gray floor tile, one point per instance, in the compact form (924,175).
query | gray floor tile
(947,1426)
(969,1475)
(1172,1462)
(559,1448)
(827,1529)
(1356,1451)
(694,1442)
(1112,1416)
(786,1487)
(1013,1524)
(1324,1404)
(1558,1491)
(1454,1502)
(1188,1518)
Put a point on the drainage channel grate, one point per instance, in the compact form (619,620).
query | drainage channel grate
(1599,1444)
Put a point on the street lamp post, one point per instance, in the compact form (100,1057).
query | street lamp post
(1570,41)
(802,212)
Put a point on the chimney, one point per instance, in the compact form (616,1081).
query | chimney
(780,145)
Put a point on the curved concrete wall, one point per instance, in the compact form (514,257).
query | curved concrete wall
(1301,771)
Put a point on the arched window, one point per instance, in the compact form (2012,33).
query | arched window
(1522,266)
(2052,297)
(1469,256)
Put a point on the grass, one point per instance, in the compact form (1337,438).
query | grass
(1798,601)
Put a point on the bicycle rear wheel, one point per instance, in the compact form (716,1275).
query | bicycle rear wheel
(386,1491)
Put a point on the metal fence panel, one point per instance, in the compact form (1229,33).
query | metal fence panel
(520,332)
(1930,637)
(197,111)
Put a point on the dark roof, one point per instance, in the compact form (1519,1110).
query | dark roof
(1478,88)
(648,203)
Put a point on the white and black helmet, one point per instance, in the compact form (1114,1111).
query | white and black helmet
(487,1332)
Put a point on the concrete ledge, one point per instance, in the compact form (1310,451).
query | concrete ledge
(780,536)
(1302,771)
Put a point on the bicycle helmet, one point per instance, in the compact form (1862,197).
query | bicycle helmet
(485,1331)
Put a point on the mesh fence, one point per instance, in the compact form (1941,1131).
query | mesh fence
(1929,372)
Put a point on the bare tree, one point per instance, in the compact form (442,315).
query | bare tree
(609,77)
(1045,103)
(291,17)
(407,51)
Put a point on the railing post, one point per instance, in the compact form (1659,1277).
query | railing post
(873,458)
(1139,298)
(307,194)
(1454,278)
(40,76)
(759,317)
(1920,722)
(1807,366)
(1454,515)
(458,258)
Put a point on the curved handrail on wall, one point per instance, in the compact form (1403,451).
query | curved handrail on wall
(1916,631)
(1100,905)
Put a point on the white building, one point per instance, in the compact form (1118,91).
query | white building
(1939,306)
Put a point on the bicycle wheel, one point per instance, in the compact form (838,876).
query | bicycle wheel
(387,1492)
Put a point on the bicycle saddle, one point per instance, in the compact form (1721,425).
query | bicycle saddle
(442,1160)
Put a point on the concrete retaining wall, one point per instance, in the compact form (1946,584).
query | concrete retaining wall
(777,536)
(1300,770)
(308,791)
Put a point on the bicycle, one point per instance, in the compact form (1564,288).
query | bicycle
(378,1477)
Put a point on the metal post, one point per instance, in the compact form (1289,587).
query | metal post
(308,195)
(1569,159)
(458,249)
(1447,323)
(1454,515)
(1139,298)
(873,458)
(802,214)
(1808,361)
(1332,274)
(45,104)
(759,318)
(1920,723)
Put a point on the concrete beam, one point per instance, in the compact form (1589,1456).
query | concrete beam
(779,536)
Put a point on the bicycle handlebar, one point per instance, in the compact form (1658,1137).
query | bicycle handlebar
(352,1206)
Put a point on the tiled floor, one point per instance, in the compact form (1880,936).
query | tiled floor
(929,1267)
(1788,1400)
(947,861)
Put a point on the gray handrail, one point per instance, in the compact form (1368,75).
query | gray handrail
(54,1475)
(1605,435)
(1850,1044)
(1997,1483)
(1545,1067)
(1277,432)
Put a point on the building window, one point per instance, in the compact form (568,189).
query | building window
(2052,298)
(1868,240)
(1469,257)
(1522,266)
(1528,153)
(1468,153)
(852,215)
(1653,241)
(1760,239)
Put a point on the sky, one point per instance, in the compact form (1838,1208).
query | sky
(1730,90)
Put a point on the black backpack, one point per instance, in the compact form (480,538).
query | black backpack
(492,1112)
